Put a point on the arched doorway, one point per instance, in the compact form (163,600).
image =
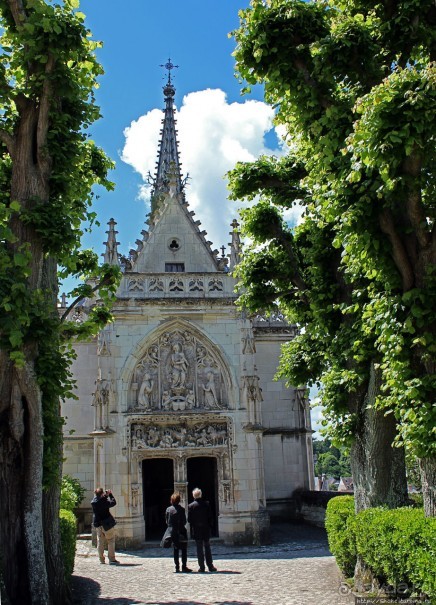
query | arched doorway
(202,473)
(158,485)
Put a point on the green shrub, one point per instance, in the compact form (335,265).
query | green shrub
(68,529)
(72,493)
(340,526)
(416,500)
(399,546)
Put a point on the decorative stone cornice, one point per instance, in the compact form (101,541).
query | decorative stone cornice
(287,432)
(253,428)
(156,286)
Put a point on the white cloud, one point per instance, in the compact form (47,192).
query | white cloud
(213,136)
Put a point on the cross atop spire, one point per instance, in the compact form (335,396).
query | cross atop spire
(169,66)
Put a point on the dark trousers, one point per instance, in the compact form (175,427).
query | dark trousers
(203,551)
(184,552)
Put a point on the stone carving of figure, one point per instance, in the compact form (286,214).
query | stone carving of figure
(180,437)
(203,439)
(166,440)
(144,395)
(153,355)
(217,436)
(210,398)
(190,399)
(153,437)
(179,366)
(135,493)
(166,400)
(100,401)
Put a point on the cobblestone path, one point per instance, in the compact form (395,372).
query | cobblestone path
(296,569)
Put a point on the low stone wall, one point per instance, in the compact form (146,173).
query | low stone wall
(303,505)
(311,506)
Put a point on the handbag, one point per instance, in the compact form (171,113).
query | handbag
(166,538)
(108,523)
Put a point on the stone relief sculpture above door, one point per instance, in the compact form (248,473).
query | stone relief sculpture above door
(178,372)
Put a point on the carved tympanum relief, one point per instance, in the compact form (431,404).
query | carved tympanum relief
(176,374)
(164,436)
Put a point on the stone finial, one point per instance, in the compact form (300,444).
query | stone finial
(235,245)
(111,252)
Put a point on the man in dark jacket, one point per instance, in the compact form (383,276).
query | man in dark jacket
(200,518)
(104,523)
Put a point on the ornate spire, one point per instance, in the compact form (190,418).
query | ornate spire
(168,157)
(111,252)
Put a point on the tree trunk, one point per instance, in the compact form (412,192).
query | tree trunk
(379,469)
(22,443)
(428,477)
(59,591)
(14,573)
(23,558)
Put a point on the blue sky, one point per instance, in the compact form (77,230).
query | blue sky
(138,36)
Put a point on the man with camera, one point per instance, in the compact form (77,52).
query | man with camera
(104,523)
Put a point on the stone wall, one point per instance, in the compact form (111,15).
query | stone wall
(303,505)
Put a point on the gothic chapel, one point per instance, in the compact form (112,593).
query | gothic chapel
(179,391)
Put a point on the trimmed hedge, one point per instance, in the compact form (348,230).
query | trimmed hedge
(340,526)
(398,546)
(68,529)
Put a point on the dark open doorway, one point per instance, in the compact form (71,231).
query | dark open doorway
(158,485)
(202,473)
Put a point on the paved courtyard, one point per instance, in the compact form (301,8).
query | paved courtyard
(296,569)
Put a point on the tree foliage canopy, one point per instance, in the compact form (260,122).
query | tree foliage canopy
(48,166)
(48,72)
(354,86)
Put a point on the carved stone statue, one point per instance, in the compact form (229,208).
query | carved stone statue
(179,366)
(144,395)
(100,401)
(210,398)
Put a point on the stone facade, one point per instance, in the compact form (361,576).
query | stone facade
(179,390)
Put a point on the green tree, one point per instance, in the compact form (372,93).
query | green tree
(72,493)
(331,461)
(48,166)
(328,465)
(302,270)
(354,86)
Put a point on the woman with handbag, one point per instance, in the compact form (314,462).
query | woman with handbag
(104,523)
(176,521)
